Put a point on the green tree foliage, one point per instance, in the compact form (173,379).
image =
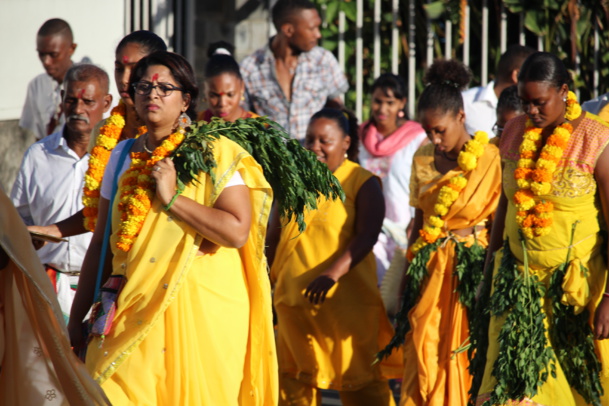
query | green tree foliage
(565,26)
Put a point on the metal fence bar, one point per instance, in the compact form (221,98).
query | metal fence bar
(395,37)
(136,16)
(145,15)
(412,57)
(342,22)
(377,39)
(540,43)
(430,41)
(484,68)
(128,17)
(466,36)
(359,57)
(595,77)
(521,37)
(503,30)
(448,50)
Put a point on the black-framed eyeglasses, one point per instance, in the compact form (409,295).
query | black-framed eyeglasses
(497,130)
(163,89)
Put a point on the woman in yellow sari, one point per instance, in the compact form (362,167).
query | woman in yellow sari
(330,317)
(549,304)
(193,321)
(455,190)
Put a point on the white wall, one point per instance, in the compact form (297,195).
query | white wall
(98,26)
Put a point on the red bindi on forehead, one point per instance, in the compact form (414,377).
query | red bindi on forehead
(125,59)
(221,93)
(82,93)
(155,77)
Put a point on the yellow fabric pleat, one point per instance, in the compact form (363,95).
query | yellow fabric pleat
(436,375)
(181,319)
(332,345)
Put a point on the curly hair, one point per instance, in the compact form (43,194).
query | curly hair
(445,79)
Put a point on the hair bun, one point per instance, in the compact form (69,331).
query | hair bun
(449,72)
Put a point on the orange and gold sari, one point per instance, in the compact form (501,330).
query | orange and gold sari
(436,373)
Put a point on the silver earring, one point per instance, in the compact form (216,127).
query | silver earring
(564,99)
(346,155)
(184,121)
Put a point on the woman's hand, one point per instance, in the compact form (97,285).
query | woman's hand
(318,289)
(601,319)
(164,173)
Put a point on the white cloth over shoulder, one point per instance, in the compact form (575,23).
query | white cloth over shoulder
(480,105)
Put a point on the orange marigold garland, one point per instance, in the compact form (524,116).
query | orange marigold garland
(535,172)
(137,190)
(449,193)
(109,134)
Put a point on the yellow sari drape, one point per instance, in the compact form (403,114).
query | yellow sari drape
(332,345)
(37,365)
(193,330)
(575,199)
(439,323)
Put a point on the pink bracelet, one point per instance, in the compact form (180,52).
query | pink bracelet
(606,294)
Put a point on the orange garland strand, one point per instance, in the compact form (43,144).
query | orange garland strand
(109,135)
(137,190)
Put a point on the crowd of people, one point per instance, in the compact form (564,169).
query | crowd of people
(466,259)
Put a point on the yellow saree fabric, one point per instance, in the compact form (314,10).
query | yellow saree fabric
(193,330)
(439,322)
(332,345)
(575,199)
(37,365)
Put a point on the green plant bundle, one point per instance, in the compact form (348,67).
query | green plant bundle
(478,331)
(415,275)
(468,270)
(524,359)
(524,355)
(572,338)
(298,179)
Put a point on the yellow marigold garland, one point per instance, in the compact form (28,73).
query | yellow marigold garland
(109,134)
(449,193)
(535,171)
(137,189)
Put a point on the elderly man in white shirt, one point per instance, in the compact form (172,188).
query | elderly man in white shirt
(50,181)
(481,102)
(41,112)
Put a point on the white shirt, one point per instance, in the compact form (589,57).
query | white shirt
(480,108)
(42,102)
(594,106)
(48,189)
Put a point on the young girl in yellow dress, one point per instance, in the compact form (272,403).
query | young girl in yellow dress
(455,186)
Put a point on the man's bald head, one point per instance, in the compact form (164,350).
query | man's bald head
(55,47)
(56,26)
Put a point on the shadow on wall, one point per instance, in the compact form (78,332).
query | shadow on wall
(14,141)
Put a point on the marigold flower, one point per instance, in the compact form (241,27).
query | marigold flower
(541,188)
(436,221)
(541,175)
